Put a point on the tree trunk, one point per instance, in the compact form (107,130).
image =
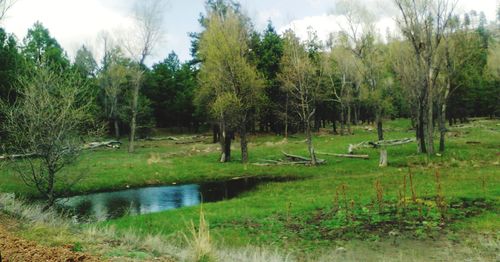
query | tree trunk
(286,116)
(420,129)
(215,133)
(133,122)
(310,145)
(380,130)
(442,117)
(334,123)
(356,115)
(50,188)
(225,143)
(117,128)
(430,126)
(244,144)
(342,120)
(383,158)
(349,131)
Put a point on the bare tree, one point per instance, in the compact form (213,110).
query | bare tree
(5,5)
(362,41)
(423,23)
(301,81)
(148,31)
(46,124)
(341,75)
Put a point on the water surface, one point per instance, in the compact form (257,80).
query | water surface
(109,205)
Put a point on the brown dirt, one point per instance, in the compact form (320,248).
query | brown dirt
(13,248)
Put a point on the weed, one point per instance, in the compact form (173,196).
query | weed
(199,241)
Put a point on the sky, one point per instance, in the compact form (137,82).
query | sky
(79,22)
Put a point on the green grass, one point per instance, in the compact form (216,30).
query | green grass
(260,217)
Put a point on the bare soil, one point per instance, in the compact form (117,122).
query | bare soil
(13,248)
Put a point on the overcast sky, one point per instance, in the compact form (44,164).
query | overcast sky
(77,22)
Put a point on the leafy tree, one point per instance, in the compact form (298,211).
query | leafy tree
(11,65)
(268,55)
(229,83)
(85,63)
(41,49)
(462,55)
(170,87)
(114,81)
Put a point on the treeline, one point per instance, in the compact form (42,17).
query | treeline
(242,81)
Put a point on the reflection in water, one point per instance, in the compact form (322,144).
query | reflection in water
(133,201)
(102,206)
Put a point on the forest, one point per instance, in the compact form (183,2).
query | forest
(296,149)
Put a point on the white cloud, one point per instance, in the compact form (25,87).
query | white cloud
(72,23)
(324,25)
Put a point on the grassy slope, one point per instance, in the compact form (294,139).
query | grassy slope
(466,169)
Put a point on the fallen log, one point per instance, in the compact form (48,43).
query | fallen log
(161,138)
(93,145)
(344,155)
(377,144)
(16,156)
(283,163)
(88,146)
(296,158)
(189,142)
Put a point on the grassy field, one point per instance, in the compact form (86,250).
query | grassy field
(344,203)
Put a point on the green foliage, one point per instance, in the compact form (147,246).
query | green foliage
(46,123)
(41,49)
(228,82)
(170,86)
(85,63)
(11,65)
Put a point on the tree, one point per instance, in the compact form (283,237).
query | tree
(300,80)
(85,63)
(148,16)
(268,55)
(114,80)
(362,41)
(170,86)
(46,124)
(41,49)
(229,83)
(423,23)
(11,65)
(5,5)
(343,77)
(461,55)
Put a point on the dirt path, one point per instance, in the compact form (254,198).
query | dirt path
(13,248)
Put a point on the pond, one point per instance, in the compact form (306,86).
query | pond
(110,205)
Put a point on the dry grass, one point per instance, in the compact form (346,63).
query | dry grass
(199,241)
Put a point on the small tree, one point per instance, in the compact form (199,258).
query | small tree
(148,16)
(45,125)
(424,23)
(114,79)
(301,81)
(230,84)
